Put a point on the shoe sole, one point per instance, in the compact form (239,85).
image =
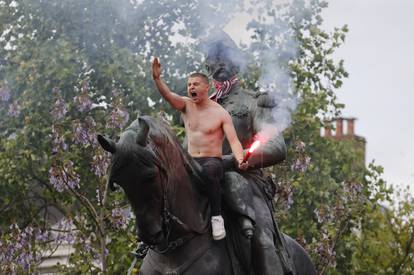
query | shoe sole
(219,237)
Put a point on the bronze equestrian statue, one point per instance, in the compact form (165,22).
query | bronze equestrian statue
(167,196)
(249,193)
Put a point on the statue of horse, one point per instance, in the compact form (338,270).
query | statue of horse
(163,186)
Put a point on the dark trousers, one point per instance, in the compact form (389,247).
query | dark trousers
(212,173)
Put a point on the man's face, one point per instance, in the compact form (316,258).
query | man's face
(197,89)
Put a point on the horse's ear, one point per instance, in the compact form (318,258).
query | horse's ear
(143,132)
(107,144)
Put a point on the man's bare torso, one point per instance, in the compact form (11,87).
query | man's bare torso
(203,124)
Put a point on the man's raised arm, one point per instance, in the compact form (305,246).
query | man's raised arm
(176,101)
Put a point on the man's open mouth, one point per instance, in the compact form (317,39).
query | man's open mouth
(193,94)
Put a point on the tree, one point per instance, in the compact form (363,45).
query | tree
(60,95)
(384,238)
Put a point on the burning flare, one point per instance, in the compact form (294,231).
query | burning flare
(252,148)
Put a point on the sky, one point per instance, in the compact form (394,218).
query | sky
(378,54)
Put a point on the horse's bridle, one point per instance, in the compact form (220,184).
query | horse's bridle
(168,219)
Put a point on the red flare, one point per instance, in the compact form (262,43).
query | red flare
(252,148)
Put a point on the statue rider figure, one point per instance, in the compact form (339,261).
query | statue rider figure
(251,112)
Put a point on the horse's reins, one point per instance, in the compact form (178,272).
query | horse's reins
(168,218)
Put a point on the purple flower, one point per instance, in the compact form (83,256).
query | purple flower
(84,103)
(301,164)
(83,100)
(118,118)
(4,94)
(64,177)
(80,134)
(14,109)
(87,246)
(100,163)
(42,237)
(65,234)
(324,214)
(69,238)
(60,109)
(284,195)
(17,254)
(72,177)
(84,133)
(119,218)
(54,178)
(58,142)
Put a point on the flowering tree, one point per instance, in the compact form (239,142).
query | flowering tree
(55,97)
(54,160)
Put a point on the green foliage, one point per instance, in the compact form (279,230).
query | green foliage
(384,238)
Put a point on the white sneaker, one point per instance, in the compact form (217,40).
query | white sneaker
(217,224)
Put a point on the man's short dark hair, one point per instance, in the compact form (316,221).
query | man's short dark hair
(201,75)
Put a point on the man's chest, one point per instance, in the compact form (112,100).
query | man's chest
(206,122)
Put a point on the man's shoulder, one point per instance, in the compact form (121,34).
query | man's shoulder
(219,110)
(215,105)
(218,107)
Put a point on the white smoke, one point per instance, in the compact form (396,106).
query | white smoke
(261,30)
(270,41)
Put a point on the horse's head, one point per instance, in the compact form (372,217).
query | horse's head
(142,163)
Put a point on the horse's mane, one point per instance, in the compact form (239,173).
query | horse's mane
(160,133)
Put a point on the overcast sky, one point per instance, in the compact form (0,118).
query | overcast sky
(379,56)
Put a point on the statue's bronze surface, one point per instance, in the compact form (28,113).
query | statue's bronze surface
(247,192)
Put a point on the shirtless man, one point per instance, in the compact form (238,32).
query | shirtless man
(206,125)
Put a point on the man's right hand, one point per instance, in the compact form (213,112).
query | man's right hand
(243,165)
(156,69)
